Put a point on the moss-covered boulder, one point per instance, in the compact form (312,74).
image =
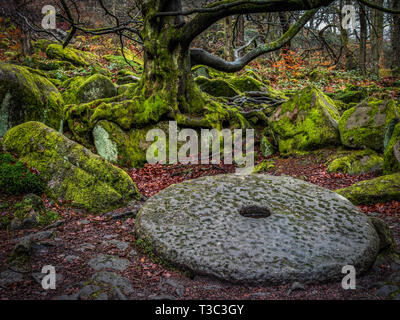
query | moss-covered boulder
(357,162)
(246,83)
(72,172)
(378,190)
(76,57)
(217,87)
(126,148)
(365,125)
(392,152)
(309,120)
(82,90)
(27,96)
(31,212)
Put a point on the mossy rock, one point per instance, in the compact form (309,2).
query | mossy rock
(5,43)
(246,83)
(217,87)
(42,44)
(357,162)
(71,172)
(200,71)
(27,96)
(378,190)
(31,213)
(126,148)
(392,152)
(80,90)
(55,65)
(308,121)
(76,57)
(127,79)
(365,125)
(386,240)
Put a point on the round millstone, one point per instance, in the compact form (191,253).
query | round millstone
(258,229)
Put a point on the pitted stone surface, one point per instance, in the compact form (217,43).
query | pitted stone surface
(309,236)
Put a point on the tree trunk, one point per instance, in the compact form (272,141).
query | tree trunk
(376,38)
(228,49)
(363,40)
(395,39)
(167,77)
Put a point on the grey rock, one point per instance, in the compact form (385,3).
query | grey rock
(296,286)
(212,287)
(132,253)
(71,258)
(38,236)
(87,246)
(121,245)
(105,261)
(258,295)
(179,289)
(309,236)
(114,280)
(84,222)
(54,225)
(9,277)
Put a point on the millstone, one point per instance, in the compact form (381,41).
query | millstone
(258,229)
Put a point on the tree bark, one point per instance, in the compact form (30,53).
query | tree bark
(395,39)
(363,40)
(376,37)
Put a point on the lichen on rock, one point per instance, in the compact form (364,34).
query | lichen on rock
(71,172)
(76,57)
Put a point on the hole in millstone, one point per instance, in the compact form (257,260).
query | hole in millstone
(255,212)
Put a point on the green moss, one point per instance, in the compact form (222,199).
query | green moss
(27,96)
(217,87)
(264,166)
(76,57)
(124,148)
(392,152)
(364,126)
(80,90)
(306,122)
(378,190)
(357,162)
(16,178)
(71,171)
(245,83)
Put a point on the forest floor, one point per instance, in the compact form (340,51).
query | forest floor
(79,244)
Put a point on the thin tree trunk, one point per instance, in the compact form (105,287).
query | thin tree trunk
(376,38)
(228,49)
(395,39)
(363,40)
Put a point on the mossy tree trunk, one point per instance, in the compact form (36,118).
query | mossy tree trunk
(167,73)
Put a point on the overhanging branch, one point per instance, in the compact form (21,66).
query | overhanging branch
(199,56)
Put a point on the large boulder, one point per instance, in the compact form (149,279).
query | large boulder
(357,162)
(392,152)
(378,190)
(82,90)
(308,121)
(71,172)
(217,87)
(258,229)
(365,125)
(27,96)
